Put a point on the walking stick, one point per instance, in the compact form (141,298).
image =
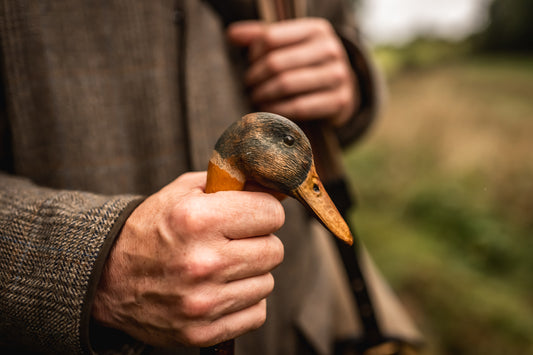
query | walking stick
(273,151)
(330,168)
(328,155)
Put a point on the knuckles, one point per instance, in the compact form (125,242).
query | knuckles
(197,306)
(260,315)
(284,83)
(201,264)
(320,25)
(299,107)
(278,254)
(345,98)
(339,72)
(189,216)
(273,64)
(270,283)
(202,335)
(277,214)
(331,48)
(196,336)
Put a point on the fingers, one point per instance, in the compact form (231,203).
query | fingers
(263,38)
(298,69)
(190,267)
(242,294)
(235,214)
(190,181)
(211,303)
(217,310)
(244,33)
(227,262)
(254,214)
(250,257)
(306,54)
(292,44)
(256,187)
(300,81)
(228,327)
(338,105)
(231,214)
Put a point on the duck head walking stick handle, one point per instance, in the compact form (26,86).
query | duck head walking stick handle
(269,11)
(274,152)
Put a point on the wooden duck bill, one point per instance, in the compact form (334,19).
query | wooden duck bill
(312,194)
(273,151)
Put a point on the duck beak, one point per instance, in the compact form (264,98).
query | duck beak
(313,195)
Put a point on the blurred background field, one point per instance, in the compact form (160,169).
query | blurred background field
(444,181)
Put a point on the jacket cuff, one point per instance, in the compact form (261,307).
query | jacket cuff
(93,337)
(369,84)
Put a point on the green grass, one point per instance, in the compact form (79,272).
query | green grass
(445,187)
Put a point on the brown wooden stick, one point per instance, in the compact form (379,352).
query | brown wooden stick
(225,348)
(328,161)
(218,180)
(299,8)
(269,11)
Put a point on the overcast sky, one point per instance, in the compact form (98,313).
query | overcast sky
(397,21)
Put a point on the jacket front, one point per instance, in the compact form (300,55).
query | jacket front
(105,102)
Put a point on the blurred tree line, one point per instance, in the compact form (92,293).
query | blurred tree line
(510,27)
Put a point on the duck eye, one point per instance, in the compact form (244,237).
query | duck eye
(288,140)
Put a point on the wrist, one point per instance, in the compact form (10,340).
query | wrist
(98,271)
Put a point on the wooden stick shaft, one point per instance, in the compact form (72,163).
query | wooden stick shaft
(225,348)
(217,181)
(270,11)
(330,168)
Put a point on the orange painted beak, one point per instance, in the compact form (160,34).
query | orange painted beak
(313,195)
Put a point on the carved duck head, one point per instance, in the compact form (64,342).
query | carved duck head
(273,151)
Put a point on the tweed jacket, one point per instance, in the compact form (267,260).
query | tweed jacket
(103,103)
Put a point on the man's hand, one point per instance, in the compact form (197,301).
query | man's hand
(192,268)
(298,69)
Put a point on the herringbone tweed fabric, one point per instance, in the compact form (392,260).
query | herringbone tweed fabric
(118,97)
(45,276)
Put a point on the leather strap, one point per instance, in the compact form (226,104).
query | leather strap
(372,335)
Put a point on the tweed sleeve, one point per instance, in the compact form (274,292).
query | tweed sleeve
(53,245)
(341,14)
(370,86)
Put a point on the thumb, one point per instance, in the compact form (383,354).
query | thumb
(188,181)
(256,187)
(244,33)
